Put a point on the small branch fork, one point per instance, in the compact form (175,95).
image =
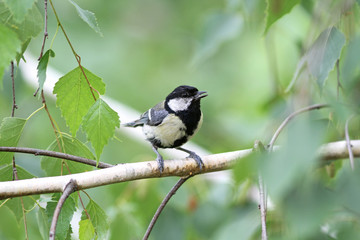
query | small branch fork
(262,192)
(163,204)
(69,188)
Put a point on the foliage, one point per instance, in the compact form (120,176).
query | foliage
(258,60)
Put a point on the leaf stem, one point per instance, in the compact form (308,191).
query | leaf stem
(77,57)
(37,110)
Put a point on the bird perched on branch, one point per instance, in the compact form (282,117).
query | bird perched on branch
(172,122)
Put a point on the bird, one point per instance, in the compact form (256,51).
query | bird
(172,122)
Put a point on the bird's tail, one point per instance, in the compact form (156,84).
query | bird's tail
(134,124)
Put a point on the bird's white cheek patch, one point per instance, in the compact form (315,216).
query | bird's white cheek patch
(179,104)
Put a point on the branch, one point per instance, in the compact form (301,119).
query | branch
(45,32)
(291,116)
(70,187)
(60,155)
(348,143)
(142,170)
(163,204)
(120,173)
(14,106)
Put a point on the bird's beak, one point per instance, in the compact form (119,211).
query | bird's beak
(200,94)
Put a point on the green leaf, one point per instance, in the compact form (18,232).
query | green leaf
(86,230)
(20,55)
(324,53)
(6,174)
(74,95)
(19,8)
(43,222)
(276,9)
(43,63)
(88,17)
(245,226)
(219,28)
(52,166)
(9,45)
(284,168)
(320,59)
(29,28)
(98,219)
(99,124)
(10,132)
(66,214)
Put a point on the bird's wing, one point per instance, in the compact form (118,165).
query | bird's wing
(156,114)
(152,117)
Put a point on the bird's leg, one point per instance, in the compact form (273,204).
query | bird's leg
(159,159)
(194,156)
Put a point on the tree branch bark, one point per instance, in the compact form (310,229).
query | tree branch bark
(141,170)
(55,155)
(69,189)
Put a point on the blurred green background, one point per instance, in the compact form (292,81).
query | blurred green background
(147,49)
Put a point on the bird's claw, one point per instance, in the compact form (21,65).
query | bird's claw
(197,160)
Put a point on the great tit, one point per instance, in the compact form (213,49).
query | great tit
(172,122)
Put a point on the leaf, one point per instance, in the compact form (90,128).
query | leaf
(276,9)
(88,17)
(245,226)
(284,168)
(320,59)
(6,174)
(324,53)
(99,124)
(29,28)
(218,29)
(98,219)
(43,222)
(19,8)
(86,230)
(43,63)
(9,45)
(66,214)
(74,96)
(20,55)
(10,132)
(69,145)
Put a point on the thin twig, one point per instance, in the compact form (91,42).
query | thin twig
(163,204)
(15,173)
(348,143)
(291,116)
(45,33)
(259,147)
(14,106)
(263,208)
(77,57)
(82,203)
(55,155)
(263,197)
(338,80)
(69,188)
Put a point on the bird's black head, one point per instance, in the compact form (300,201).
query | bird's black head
(183,98)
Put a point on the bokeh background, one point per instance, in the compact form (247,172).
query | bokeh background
(147,49)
